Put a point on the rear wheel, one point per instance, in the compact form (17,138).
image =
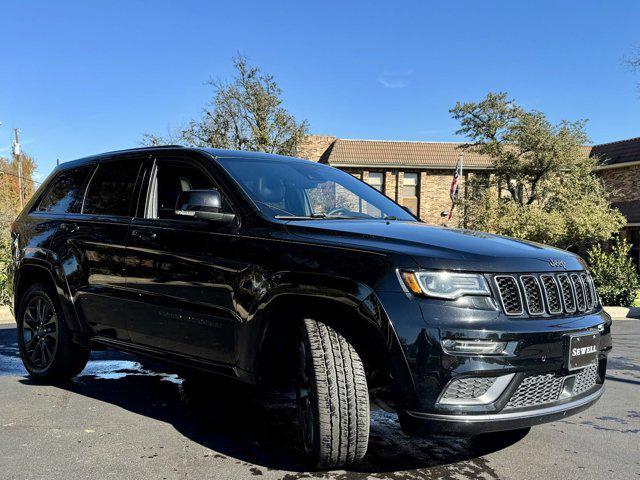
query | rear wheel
(45,344)
(333,398)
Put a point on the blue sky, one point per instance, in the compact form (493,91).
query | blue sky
(84,77)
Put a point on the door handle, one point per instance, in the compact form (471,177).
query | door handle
(143,234)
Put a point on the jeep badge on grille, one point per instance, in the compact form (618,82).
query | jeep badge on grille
(557,263)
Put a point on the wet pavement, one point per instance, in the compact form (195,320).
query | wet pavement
(129,418)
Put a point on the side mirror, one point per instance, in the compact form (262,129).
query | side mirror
(203,204)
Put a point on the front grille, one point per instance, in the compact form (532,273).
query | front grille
(586,379)
(468,388)
(537,390)
(546,294)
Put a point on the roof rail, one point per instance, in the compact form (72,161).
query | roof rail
(135,149)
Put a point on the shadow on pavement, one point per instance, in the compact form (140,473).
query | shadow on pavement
(258,428)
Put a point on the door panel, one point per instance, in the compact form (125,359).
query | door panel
(183,284)
(94,264)
(181,273)
(92,246)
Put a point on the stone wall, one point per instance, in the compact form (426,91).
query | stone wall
(623,182)
(313,146)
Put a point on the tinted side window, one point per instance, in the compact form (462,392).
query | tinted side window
(173,178)
(111,187)
(66,191)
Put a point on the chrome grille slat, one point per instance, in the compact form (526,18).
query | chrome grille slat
(581,303)
(532,294)
(590,290)
(551,294)
(509,294)
(568,295)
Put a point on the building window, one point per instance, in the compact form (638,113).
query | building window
(376,180)
(410,192)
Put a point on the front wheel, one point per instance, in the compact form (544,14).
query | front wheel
(45,344)
(332,396)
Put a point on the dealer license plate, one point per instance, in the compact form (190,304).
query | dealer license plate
(583,350)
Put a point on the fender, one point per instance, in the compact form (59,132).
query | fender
(311,293)
(55,272)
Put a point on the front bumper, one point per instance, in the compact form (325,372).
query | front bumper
(541,351)
(493,422)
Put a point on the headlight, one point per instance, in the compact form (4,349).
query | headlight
(442,284)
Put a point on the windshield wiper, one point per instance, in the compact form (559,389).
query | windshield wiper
(313,216)
(318,216)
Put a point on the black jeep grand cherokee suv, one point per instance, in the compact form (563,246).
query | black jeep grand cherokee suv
(263,268)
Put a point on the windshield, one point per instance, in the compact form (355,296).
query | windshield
(297,189)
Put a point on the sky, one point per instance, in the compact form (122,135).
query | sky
(79,78)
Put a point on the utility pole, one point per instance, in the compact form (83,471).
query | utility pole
(16,153)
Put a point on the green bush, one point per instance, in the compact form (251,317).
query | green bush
(614,273)
(636,302)
(5,257)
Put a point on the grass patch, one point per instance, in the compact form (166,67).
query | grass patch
(636,302)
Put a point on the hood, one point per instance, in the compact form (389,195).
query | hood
(439,247)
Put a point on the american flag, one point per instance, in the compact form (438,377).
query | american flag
(455,186)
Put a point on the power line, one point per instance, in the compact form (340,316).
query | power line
(3,172)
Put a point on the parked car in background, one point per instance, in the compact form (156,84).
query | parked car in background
(271,269)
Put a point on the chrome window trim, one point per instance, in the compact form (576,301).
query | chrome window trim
(558,292)
(572,292)
(526,296)
(515,281)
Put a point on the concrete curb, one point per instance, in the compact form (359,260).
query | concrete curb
(623,313)
(5,315)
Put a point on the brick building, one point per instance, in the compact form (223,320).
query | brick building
(620,171)
(418,174)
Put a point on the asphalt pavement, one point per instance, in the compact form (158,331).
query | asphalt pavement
(127,418)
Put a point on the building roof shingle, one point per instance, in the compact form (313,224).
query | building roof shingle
(390,153)
(622,151)
(345,152)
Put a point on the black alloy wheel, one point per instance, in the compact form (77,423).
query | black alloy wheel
(40,332)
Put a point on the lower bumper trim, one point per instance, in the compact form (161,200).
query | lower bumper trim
(524,415)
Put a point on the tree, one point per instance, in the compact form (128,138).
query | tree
(245,114)
(10,207)
(542,186)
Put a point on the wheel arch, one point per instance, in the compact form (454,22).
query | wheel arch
(32,272)
(361,320)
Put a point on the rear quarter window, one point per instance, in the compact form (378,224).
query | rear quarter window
(66,191)
(111,188)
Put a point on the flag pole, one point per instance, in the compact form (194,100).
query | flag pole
(457,178)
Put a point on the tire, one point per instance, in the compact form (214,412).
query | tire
(333,398)
(58,358)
